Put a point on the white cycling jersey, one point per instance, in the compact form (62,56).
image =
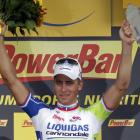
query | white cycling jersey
(65,123)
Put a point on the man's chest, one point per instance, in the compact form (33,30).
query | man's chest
(59,124)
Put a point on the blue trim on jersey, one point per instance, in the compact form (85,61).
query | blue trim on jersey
(39,135)
(33,105)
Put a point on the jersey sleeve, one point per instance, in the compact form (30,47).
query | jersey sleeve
(32,106)
(100,110)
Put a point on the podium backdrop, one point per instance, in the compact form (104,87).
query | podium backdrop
(88,33)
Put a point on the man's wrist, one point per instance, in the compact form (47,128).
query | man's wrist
(127,44)
(1,35)
(1,38)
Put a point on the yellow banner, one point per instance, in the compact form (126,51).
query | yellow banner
(135,2)
(65,19)
(99,59)
(23,129)
(117,15)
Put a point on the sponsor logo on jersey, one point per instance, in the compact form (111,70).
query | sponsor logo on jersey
(56,117)
(75,118)
(69,130)
(121,122)
(67,127)
(3,123)
(67,134)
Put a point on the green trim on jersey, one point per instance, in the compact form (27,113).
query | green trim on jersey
(99,110)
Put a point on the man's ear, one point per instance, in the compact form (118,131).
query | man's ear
(80,85)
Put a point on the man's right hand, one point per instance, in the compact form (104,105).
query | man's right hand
(126,34)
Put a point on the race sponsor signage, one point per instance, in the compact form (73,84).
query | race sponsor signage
(121,122)
(3,123)
(99,59)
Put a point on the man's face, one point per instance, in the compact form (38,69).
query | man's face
(66,89)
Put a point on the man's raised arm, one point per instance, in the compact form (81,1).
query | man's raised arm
(113,95)
(8,72)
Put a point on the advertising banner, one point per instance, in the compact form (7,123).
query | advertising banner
(126,2)
(99,59)
(117,12)
(65,19)
(34,57)
(34,66)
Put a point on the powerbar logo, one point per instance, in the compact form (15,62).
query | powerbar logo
(91,58)
(27,123)
(3,123)
(121,122)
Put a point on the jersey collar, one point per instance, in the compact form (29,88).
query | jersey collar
(68,107)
